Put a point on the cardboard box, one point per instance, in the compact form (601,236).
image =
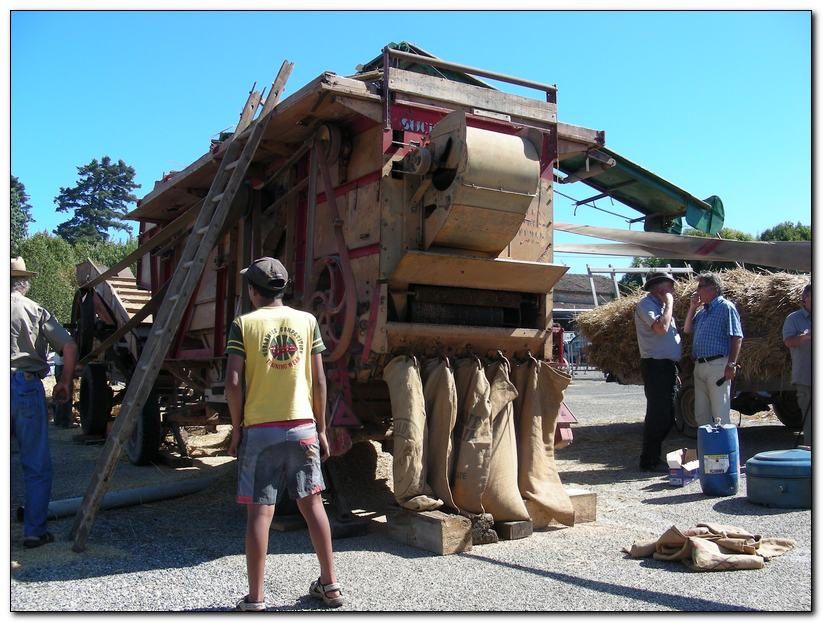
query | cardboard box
(684,467)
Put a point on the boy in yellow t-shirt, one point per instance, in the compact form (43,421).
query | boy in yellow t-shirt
(279,429)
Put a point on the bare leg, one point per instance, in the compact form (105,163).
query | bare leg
(311,507)
(258,523)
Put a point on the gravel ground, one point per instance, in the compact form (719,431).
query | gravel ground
(186,554)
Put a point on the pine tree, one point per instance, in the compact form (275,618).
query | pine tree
(99,201)
(20,215)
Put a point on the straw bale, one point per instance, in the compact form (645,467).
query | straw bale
(763,301)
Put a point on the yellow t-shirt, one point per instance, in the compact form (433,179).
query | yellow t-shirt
(277,344)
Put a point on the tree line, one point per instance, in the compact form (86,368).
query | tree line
(98,203)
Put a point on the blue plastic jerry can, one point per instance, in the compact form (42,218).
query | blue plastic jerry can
(718,451)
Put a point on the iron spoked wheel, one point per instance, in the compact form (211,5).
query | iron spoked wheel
(333,303)
(95,400)
(786,409)
(146,435)
(684,420)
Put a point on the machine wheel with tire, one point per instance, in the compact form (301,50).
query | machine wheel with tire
(144,441)
(786,409)
(684,411)
(95,400)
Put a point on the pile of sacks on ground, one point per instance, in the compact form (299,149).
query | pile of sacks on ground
(763,301)
(478,437)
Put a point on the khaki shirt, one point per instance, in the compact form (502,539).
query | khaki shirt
(33,330)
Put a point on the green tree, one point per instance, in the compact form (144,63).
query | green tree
(20,215)
(52,258)
(787,231)
(106,252)
(99,201)
(55,261)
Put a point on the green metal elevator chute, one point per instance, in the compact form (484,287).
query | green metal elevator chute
(664,204)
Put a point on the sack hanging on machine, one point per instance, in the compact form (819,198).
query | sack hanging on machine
(473,435)
(402,375)
(440,394)
(502,497)
(540,388)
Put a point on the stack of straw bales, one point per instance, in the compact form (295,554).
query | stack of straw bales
(763,301)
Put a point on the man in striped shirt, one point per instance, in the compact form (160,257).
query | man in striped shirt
(717,336)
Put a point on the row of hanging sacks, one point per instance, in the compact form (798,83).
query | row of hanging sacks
(540,390)
(411,490)
(478,438)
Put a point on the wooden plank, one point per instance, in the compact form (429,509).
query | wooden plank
(469,95)
(248,110)
(177,225)
(584,503)
(428,337)
(135,321)
(513,530)
(368,108)
(579,134)
(433,531)
(441,269)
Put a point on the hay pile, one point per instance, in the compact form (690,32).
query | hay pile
(763,301)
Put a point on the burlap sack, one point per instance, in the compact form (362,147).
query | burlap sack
(440,394)
(473,435)
(409,425)
(540,388)
(502,497)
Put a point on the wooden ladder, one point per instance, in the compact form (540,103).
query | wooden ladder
(201,241)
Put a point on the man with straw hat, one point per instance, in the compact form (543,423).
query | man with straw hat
(660,350)
(33,330)
(797,336)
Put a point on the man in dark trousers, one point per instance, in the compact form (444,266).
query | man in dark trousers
(279,425)
(33,330)
(660,351)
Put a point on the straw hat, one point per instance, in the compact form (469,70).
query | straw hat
(652,279)
(18,268)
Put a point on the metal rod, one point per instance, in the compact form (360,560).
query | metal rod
(436,62)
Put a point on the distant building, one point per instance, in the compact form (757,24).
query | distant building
(573,294)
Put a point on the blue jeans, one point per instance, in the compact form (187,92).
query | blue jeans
(29,424)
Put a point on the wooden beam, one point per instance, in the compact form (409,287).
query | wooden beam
(454,92)
(177,225)
(135,320)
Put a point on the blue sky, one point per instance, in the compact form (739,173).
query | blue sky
(716,102)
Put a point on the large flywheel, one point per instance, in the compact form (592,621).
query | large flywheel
(334,304)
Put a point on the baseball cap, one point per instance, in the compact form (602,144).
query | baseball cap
(267,273)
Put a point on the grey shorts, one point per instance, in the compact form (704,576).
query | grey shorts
(274,459)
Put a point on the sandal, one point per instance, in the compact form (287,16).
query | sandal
(37,541)
(244,605)
(321,591)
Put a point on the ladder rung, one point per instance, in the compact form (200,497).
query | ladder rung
(231,165)
(217,198)
(202,230)
(174,298)
(188,264)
